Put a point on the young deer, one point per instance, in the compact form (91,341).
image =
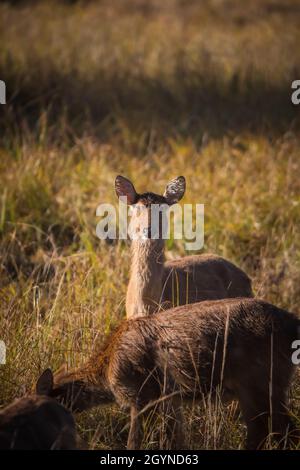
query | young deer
(37,422)
(154,282)
(238,347)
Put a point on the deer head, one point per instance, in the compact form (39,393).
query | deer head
(149,210)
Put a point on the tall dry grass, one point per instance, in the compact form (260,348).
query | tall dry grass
(150,90)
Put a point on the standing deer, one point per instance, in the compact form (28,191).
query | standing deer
(239,347)
(37,422)
(155,282)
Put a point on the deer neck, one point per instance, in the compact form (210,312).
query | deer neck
(145,284)
(84,388)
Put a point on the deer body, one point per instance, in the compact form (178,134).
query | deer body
(36,423)
(240,346)
(203,277)
(156,284)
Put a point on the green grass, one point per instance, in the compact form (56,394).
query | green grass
(151,91)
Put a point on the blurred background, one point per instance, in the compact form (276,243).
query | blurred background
(150,90)
(186,66)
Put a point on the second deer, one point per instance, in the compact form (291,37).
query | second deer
(239,347)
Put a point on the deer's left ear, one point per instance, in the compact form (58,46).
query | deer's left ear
(175,190)
(125,188)
(44,384)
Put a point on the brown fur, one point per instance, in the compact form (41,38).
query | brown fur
(36,423)
(155,283)
(239,346)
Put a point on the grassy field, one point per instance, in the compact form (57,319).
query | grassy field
(150,90)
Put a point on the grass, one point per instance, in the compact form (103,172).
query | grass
(151,91)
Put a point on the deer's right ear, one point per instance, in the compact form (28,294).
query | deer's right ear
(125,188)
(175,190)
(44,384)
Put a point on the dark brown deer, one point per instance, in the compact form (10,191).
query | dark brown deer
(155,282)
(239,347)
(37,422)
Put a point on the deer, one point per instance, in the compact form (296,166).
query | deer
(156,283)
(37,422)
(240,349)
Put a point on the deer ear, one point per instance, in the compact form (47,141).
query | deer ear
(125,188)
(44,384)
(175,190)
